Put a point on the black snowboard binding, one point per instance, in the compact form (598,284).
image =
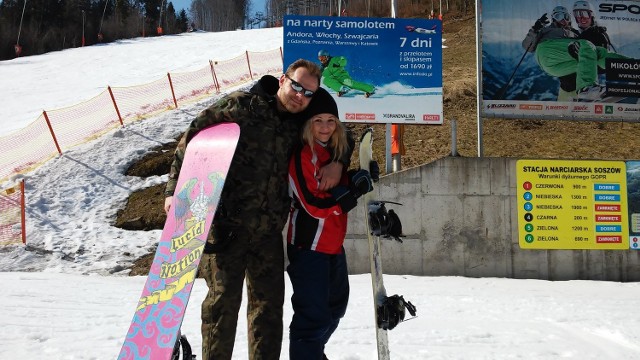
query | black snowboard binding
(187,353)
(384,223)
(392,311)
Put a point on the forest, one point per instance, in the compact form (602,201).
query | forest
(30,27)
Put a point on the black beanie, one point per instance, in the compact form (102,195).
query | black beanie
(321,103)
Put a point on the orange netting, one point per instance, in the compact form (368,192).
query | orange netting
(28,148)
(11,231)
(142,101)
(266,62)
(25,149)
(232,72)
(193,86)
(84,121)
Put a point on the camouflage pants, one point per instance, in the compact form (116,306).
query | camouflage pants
(261,258)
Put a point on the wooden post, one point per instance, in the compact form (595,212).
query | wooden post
(172,92)
(249,64)
(53,135)
(115,105)
(23,222)
(215,78)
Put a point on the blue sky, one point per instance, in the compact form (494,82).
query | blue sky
(258,5)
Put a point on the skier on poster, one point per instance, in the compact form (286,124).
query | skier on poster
(560,51)
(588,29)
(337,78)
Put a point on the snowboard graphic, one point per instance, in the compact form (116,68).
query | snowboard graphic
(156,323)
(375,258)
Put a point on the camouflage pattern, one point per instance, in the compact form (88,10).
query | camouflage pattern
(260,257)
(255,193)
(246,236)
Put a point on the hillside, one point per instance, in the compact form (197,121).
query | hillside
(546,139)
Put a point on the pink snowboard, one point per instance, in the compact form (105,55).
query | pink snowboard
(160,311)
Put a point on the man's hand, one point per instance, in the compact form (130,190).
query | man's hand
(167,204)
(330,175)
(574,49)
(541,22)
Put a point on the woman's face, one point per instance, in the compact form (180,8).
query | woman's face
(323,126)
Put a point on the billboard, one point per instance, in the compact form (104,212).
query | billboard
(572,204)
(560,59)
(379,70)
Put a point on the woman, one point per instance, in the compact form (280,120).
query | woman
(317,227)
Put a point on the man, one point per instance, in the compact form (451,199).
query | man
(337,78)
(588,29)
(560,51)
(587,26)
(246,236)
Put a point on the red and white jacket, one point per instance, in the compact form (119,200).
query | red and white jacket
(316,220)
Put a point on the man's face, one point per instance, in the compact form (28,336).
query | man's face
(323,59)
(295,89)
(583,18)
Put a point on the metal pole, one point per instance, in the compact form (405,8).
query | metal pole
(83,17)
(21,17)
(454,137)
(478,79)
(394,161)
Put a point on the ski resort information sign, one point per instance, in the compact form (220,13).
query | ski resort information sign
(575,60)
(379,70)
(572,205)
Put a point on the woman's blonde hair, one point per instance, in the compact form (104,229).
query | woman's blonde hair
(337,143)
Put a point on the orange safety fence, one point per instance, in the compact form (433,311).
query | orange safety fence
(233,72)
(194,85)
(26,149)
(55,131)
(75,125)
(143,101)
(262,63)
(12,215)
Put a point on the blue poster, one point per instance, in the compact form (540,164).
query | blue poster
(383,70)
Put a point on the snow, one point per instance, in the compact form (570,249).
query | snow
(67,296)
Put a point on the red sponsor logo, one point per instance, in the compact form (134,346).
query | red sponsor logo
(598,109)
(607,239)
(530,107)
(358,116)
(607,207)
(608,218)
(430,118)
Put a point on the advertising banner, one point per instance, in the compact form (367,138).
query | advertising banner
(379,70)
(633,199)
(561,59)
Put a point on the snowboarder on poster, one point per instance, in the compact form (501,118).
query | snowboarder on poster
(560,51)
(588,29)
(337,78)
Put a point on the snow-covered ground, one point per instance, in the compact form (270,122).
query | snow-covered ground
(66,296)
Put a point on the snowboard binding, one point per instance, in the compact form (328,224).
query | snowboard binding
(392,311)
(384,223)
(187,353)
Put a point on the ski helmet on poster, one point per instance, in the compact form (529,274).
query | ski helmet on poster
(561,15)
(583,13)
(583,5)
(323,53)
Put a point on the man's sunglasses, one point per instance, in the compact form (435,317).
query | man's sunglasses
(299,88)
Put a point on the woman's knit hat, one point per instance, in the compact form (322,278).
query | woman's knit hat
(321,103)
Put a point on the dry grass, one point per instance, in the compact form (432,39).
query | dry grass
(543,139)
